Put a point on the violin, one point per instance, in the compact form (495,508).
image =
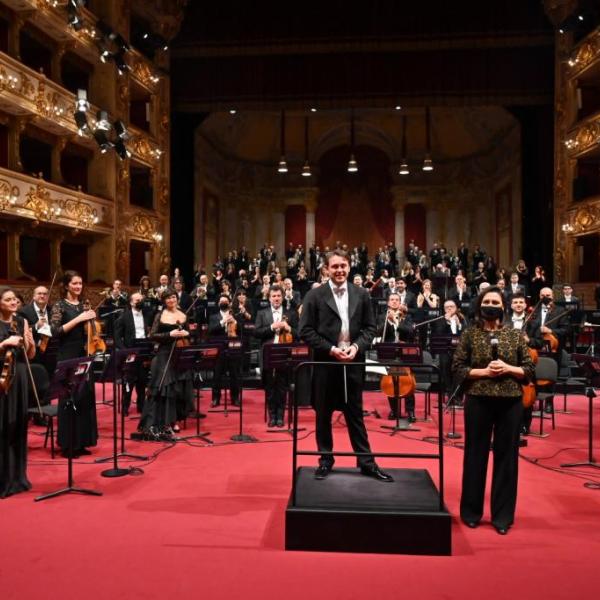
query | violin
(231,327)
(93,328)
(285,337)
(181,342)
(8,370)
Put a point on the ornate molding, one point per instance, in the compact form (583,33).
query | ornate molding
(584,137)
(584,55)
(583,218)
(143,147)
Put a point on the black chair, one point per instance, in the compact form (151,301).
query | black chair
(425,379)
(546,374)
(49,412)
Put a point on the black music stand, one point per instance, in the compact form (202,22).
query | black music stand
(591,367)
(119,363)
(398,356)
(196,358)
(285,358)
(68,377)
(231,348)
(446,345)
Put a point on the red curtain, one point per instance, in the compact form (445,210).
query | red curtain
(295,225)
(415,225)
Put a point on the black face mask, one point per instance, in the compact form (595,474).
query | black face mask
(546,300)
(491,313)
(137,305)
(224,306)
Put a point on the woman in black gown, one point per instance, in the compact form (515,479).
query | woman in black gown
(170,391)
(16,339)
(68,325)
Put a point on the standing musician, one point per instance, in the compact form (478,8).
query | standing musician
(407,298)
(270,323)
(225,325)
(170,393)
(115,303)
(163,285)
(533,339)
(396,326)
(69,321)
(37,314)
(337,321)
(453,324)
(427,299)
(459,293)
(184,300)
(16,339)
(291,297)
(130,326)
(492,361)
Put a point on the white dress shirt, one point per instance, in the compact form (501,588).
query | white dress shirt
(138,321)
(277,314)
(340,295)
(544,314)
(518,321)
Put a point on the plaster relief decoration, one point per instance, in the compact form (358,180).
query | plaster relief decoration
(9,194)
(582,57)
(143,73)
(145,149)
(583,220)
(583,138)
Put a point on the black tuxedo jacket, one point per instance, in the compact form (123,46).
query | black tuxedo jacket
(215,329)
(29,312)
(264,320)
(125,329)
(405,329)
(184,301)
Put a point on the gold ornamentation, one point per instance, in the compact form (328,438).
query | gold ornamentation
(584,55)
(9,195)
(583,138)
(144,74)
(142,147)
(39,202)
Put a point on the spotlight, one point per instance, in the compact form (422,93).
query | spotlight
(81,122)
(427,163)
(313,109)
(82,104)
(404,170)
(282,166)
(75,22)
(102,121)
(398,107)
(119,59)
(306,170)
(121,149)
(232,111)
(145,36)
(121,130)
(102,140)
(165,47)
(105,54)
(352,164)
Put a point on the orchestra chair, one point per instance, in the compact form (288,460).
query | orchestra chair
(42,384)
(425,379)
(546,374)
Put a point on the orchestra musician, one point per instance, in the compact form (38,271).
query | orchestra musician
(460,292)
(163,285)
(225,325)
(270,323)
(396,326)
(170,393)
(407,298)
(291,297)
(133,325)
(491,361)
(68,321)
(114,304)
(184,300)
(337,322)
(37,313)
(427,299)
(16,339)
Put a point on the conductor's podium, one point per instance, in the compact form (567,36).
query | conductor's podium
(349,512)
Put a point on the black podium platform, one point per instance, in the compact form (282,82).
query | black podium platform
(348,512)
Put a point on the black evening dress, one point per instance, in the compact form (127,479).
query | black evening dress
(13,421)
(171,401)
(73,345)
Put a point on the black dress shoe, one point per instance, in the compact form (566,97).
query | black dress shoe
(215,403)
(501,530)
(321,472)
(271,423)
(237,403)
(377,473)
(411,417)
(392,416)
(471,524)
(279,423)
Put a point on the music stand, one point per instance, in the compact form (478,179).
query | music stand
(397,355)
(196,358)
(591,368)
(116,370)
(445,345)
(230,348)
(69,376)
(285,358)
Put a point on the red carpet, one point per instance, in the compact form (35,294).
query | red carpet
(208,522)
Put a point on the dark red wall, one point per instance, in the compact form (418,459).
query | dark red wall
(295,225)
(415,225)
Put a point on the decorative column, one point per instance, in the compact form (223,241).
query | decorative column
(55,169)
(16,126)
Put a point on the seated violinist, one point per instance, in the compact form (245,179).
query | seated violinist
(396,326)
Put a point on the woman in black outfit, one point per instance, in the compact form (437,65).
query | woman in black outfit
(170,392)
(492,360)
(16,339)
(68,324)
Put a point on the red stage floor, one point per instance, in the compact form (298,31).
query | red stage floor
(208,522)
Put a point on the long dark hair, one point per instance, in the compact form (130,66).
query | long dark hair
(488,290)
(67,277)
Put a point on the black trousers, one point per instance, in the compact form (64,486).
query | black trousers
(409,404)
(275,386)
(501,417)
(353,413)
(233,366)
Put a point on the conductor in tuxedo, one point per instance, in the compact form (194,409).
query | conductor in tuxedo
(132,325)
(270,322)
(338,323)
